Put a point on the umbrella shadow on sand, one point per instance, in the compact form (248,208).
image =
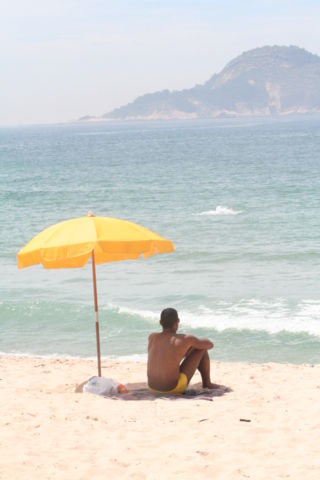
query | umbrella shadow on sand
(139,391)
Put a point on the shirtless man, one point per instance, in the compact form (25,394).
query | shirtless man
(173,358)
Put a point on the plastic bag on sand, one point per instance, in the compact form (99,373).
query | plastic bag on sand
(104,386)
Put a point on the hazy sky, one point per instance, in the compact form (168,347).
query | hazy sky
(61,59)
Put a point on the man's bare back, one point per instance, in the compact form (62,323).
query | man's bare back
(170,354)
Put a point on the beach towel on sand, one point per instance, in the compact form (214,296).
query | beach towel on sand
(140,391)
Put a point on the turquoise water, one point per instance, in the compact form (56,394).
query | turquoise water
(239,199)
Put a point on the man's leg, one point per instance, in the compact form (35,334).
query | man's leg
(198,359)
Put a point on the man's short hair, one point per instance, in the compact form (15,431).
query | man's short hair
(168,317)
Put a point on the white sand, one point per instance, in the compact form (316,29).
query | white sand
(50,432)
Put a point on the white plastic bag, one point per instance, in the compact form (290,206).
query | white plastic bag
(103,386)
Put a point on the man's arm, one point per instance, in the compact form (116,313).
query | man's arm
(198,343)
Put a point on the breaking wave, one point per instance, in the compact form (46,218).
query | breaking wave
(220,211)
(270,317)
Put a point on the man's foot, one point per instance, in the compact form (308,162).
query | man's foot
(210,385)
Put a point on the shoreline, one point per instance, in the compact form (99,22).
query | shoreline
(49,431)
(53,356)
(141,358)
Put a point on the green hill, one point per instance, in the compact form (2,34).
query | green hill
(271,80)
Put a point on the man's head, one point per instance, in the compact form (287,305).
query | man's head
(169,319)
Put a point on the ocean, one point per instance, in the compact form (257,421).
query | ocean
(240,200)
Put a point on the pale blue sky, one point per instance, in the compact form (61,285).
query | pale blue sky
(61,59)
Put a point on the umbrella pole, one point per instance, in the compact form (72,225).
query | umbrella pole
(95,296)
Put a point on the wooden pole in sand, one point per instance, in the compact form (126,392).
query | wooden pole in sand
(95,296)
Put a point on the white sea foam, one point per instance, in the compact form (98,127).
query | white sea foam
(135,357)
(220,211)
(47,356)
(145,314)
(272,317)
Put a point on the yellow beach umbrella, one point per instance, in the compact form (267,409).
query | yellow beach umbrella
(71,243)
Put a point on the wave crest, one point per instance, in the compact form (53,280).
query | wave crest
(220,210)
(252,315)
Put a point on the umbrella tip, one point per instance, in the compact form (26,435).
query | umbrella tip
(91,214)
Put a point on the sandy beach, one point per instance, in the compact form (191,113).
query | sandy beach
(50,431)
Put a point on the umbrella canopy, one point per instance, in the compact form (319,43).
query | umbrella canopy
(71,243)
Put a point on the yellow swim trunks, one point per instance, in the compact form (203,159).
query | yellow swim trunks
(181,386)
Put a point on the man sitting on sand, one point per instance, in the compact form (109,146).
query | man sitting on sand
(173,358)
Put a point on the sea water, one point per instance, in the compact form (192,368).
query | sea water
(239,199)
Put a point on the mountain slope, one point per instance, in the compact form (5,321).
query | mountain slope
(271,80)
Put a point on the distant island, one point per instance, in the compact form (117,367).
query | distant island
(271,80)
